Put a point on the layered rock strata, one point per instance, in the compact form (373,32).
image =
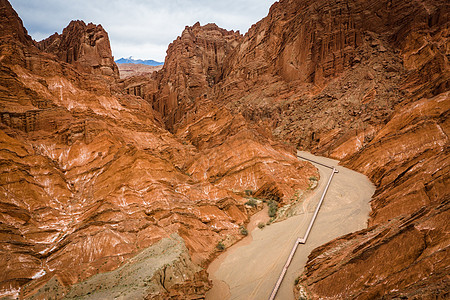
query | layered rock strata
(85,165)
(91,178)
(367,83)
(192,67)
(84,46)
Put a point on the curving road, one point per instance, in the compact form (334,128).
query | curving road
(250,268)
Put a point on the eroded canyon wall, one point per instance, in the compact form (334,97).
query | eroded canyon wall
(84,46)
(367,83)
(90,177)
(364,82)
(192,66)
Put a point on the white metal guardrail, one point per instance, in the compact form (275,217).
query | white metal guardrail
(311,223)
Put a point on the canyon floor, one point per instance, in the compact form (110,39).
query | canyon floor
(250,268)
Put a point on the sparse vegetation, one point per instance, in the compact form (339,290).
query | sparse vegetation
(251,202)
(313,180)
(296,196)
(220,246)
(273,208)
(261,225)
(243,230)
(248,192)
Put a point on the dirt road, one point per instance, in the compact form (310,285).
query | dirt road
(250,268)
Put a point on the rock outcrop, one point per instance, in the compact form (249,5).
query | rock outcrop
(192,67)
(84,46)
(12,26)
(90,177)
(95,172)
(404,252)
(365,82)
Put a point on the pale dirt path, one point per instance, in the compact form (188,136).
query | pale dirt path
(250,268)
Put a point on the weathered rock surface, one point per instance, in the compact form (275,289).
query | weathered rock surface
(192,66)
(84,46)
(94,172)
(378,100)
(404,252)
(90,177)
(151,274)
(364,82)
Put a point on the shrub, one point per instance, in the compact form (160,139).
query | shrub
(243,230)
(251,202)
(248,192)
(313,178)
(273,208)
(261,225)
(220,246)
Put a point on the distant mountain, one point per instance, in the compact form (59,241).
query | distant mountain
(131,60)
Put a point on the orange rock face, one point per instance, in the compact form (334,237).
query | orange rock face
(90,176)
(94,171)
(192,67)
(367,83)
(84,46)
(384,114)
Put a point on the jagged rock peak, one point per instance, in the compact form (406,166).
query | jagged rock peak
(193,65)
(85,46)
(209,30)
(211,27)
(11,25)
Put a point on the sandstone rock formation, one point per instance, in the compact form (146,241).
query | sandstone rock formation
(192,66)
(91,177)
(84,46)
(95,172)
(364,82)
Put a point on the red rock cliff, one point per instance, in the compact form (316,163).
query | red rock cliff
(365,82)
(11,24)
(90,177)
(368,83)
(85,46)
(192,66)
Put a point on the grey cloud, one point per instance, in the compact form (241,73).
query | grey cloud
(139,28)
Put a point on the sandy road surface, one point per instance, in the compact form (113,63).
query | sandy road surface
(250,268)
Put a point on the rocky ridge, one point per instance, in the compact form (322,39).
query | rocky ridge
(366,83)
(192,66)
(91,178)
(84,46)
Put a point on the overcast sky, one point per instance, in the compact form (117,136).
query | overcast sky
(139,28)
